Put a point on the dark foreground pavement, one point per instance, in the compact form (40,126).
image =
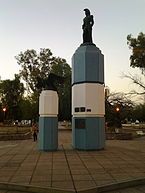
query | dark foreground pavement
(121,164)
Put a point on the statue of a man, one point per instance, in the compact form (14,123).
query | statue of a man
(88,22)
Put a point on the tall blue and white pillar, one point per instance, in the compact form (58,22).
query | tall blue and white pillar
(88,103)
(48,120)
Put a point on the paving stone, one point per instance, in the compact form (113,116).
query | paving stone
(120,177)
(79,171)
(5,178)
(81,167)
(41,183)
(63,185)
(102,177)
(115,171)
(84,184)
(66,177)
(130,190)
(41,178)
(24,172)
(15,192)
(104,182)
(21,179)
(42,172)
(81,177)
(97,171)
(137,175)
(7,172)
(118,162)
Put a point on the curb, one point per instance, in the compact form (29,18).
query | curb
(115,186)
(98,189)
(31,189)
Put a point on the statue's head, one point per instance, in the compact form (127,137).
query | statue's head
(87,11)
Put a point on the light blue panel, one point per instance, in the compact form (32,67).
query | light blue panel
(78,62)
(102,135)
(89,136)
(48,133)
(78,137)
(73,133)
(95,133)
(101,67)
(93,67)
(88,65)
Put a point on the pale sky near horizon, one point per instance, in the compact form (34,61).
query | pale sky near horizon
(56,24)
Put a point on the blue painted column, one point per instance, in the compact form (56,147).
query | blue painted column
(48,120)
(88,103)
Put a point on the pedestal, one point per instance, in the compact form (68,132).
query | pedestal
(48,121)
(88,103)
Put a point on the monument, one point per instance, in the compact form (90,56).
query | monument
(88,101)
(48,111)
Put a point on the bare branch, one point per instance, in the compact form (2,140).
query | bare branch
(137,80)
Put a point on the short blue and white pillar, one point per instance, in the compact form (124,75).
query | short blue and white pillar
(88,103)
(48,120)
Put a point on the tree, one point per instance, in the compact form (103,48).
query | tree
(26,106)
(64,90)
(1,113)
(34,65)
(138,113)
(118,108)
(137,45)
(11,93)
(139,81)
(137,60)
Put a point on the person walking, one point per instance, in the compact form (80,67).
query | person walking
(34,131)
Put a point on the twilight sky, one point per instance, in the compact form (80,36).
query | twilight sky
(56,24)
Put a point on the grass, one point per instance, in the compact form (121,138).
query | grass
(14,129)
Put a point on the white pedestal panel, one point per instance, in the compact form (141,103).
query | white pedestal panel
(88,99)
(48,103)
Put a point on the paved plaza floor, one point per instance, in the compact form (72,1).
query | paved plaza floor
(69,170)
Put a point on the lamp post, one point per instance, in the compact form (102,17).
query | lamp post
(4,110)
(118,121)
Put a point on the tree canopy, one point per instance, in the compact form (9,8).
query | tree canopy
(11,93)
(40,64)
(137,45)
(137,60)
(118,108)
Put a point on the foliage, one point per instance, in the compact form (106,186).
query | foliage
(137,59)
(34,65)
(137,45)
(138,113)
(139,81)
(1,113)
(125,105)
(64,90)
(11,93)
(27,109)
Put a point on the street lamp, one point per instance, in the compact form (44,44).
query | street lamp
(4,110)
(118,120)
(117,109)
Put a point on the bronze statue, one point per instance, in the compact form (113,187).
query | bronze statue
(88,22)
(49,83)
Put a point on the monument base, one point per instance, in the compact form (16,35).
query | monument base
(88,101)
(48,133)
(88,133)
